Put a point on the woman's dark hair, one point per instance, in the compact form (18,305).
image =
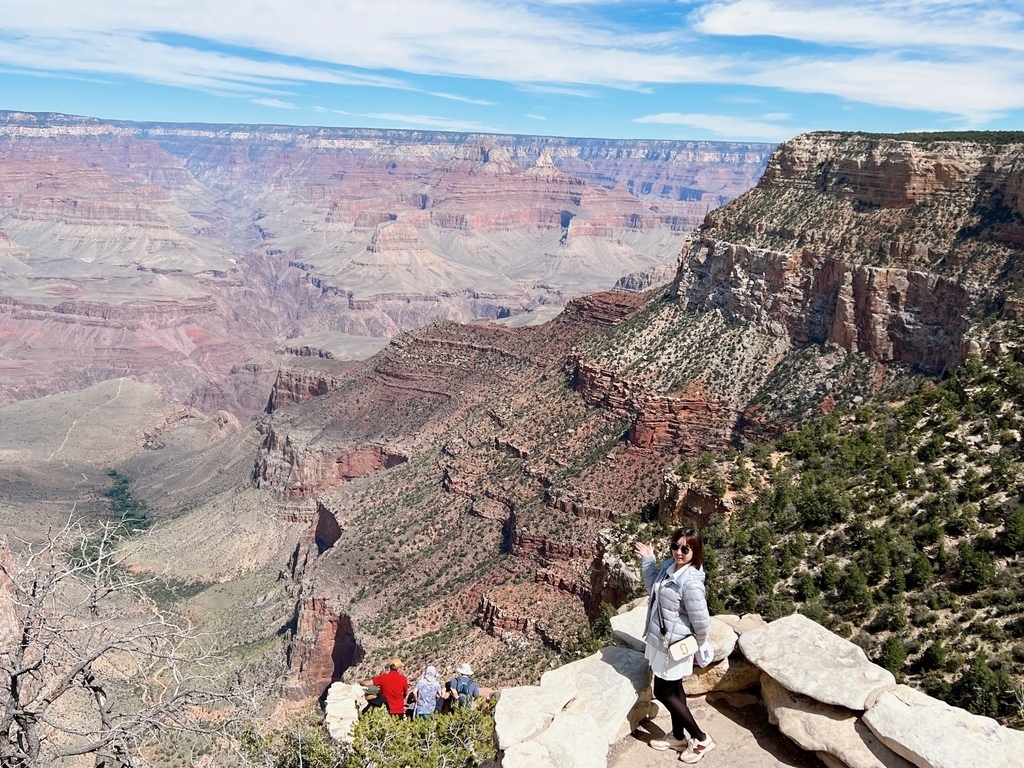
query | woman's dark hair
(694,541)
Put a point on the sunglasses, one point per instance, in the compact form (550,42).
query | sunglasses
(683,549)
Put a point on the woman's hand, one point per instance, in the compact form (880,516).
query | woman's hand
(644,549)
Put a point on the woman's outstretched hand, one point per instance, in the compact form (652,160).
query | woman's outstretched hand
(644,549)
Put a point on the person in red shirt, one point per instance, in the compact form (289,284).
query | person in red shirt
(393,687)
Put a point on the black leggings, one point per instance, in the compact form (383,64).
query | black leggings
(670,693)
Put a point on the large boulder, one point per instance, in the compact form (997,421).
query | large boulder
(527,711)
(628,630)
(341,710)
(730,675)
(572,741)
(826,729)
(933,734)
(806,658)
(608,691)
(606,686)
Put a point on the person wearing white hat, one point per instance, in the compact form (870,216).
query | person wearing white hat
(463,688)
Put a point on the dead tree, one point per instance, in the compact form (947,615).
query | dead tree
(90,664)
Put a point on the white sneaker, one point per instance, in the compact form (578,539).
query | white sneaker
(697,750)
(670,742)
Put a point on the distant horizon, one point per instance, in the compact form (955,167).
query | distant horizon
(313,126)
(695,70)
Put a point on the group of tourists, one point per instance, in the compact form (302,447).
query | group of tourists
(428,696)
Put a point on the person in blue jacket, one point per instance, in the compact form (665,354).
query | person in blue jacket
(677,607)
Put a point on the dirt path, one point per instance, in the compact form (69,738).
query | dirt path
(739,724)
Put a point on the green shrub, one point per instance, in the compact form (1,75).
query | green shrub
(463,737)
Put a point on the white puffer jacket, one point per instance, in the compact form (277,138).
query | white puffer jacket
(682,600)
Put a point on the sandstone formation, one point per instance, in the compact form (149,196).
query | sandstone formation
(834,671)
(876,244)
(932,734)
(824,728)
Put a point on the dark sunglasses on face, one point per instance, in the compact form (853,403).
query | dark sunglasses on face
(683,549)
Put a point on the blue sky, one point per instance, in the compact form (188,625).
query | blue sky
(758,70)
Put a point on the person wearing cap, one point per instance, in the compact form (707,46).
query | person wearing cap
(463,688)
(393,687)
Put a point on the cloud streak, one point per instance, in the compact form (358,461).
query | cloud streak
(963,58)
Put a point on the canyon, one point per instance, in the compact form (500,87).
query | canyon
(462,494)
(192,257)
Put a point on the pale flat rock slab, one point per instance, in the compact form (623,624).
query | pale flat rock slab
(628,630)
(341,710)
(607,687)
(526,711)
(572,741)
(933,734)
(806,658)
(628,627)
(730,675)
(826,729)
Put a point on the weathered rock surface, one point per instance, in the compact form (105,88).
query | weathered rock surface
(341,710)
(589,700)
(831,670)
(932,734)
(826,729)
(572,741)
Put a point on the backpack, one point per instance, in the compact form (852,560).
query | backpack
(462,687)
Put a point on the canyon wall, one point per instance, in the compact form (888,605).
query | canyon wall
(877,245)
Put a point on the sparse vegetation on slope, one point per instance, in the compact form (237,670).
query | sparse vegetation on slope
(899,524)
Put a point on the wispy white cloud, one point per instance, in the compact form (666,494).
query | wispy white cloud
(431,121)
(277,103)
(464,99)
(870,23)
(725,126)
(535,117)
(961,57)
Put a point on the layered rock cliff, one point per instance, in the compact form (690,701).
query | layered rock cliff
(880,245)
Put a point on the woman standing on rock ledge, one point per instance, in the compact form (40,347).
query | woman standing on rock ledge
(677,608)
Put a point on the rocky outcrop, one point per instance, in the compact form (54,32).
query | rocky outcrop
(890,315)
(298,473)
(323,645)
(298,385)
(684,503)
(890,726)
(576,712)
(322,534)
